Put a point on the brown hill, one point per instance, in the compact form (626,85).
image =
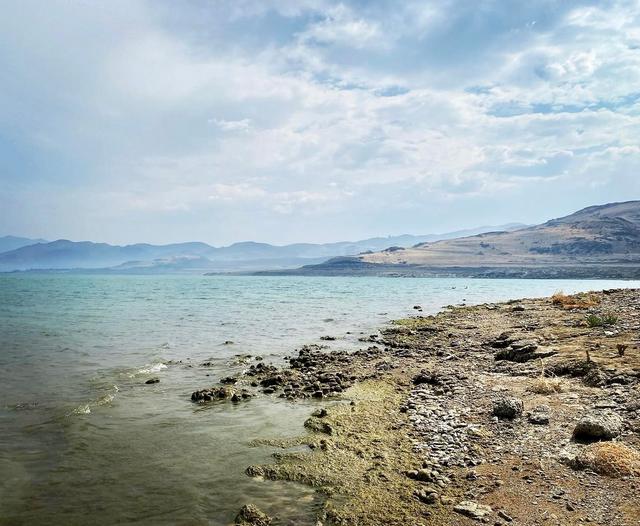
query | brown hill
(607,234)
(596,242)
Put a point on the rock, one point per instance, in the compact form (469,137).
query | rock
(505,516)
(539,415)
(320,413)
(502,341)
(598,425)
(219,393)
(596,377)
(522,351)
(328,338)
(317,425)
(472,509)
(152,381)
(508,408)
(427,495)
(250,515)
(426,377)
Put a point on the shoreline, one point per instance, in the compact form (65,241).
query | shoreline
(469,416)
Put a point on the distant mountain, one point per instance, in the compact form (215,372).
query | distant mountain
(85,254)
(599,241)
(196,257)
(12,242)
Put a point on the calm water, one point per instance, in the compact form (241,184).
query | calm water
(84,440)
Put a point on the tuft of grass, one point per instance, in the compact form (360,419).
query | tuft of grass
(545,386)
(593,320)
(609,458)
(576,301)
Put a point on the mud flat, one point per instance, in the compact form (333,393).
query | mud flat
(525,412)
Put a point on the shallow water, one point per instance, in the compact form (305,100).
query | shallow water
(83,439)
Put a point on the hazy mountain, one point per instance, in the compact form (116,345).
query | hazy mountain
(141,257)
(597,241)
(12,242)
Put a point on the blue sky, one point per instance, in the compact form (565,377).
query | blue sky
(311,120)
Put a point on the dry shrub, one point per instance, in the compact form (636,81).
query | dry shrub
(577,301)
(545,386)
(609,458)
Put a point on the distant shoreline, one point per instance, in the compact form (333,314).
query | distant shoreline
(356,267)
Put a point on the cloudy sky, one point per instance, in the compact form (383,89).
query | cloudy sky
(311,120)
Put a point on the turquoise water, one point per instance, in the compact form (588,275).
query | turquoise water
(85,440)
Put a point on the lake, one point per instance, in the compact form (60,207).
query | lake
(85,440)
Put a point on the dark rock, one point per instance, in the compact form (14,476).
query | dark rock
(502,341)
(539,415)
(250,515)
(508,408)
(219,393)
(152,381)
(595,377)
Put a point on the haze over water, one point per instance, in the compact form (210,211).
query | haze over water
(85,440)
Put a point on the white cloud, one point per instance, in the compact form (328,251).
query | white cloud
(334,107)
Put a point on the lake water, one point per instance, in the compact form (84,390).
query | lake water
(84,440)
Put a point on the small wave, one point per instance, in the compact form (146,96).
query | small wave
(156,367)
(149,369)
(23,406)
(106,399)
(84,409)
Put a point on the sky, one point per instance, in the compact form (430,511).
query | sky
(311,120)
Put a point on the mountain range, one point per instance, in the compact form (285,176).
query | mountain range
(596,242)
(27,254)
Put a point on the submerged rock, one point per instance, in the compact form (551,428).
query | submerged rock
(152,381)
(219,393)
(250,515)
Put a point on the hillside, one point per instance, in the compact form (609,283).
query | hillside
(196,256)
(12,242)
(599,241)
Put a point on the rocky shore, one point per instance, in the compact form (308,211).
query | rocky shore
(525,412)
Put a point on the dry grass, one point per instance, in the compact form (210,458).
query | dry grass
(577,301)
(545,386)
(609,458)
